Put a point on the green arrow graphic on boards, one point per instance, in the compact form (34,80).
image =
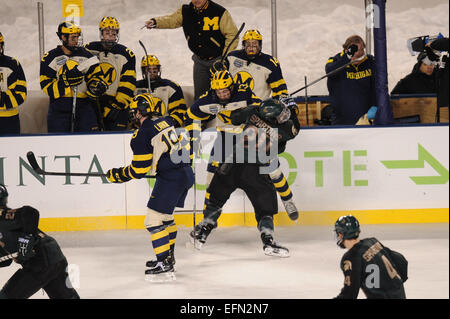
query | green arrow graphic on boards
(424,156)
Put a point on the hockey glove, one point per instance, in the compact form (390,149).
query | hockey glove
(289,102)
(116,175)
(25,247)
(71,77)
(351,51)
(96,87)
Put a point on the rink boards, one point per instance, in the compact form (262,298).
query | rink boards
(380,175)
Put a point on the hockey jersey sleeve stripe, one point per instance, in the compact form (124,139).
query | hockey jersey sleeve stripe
(123,98)
(175,104)
(130,73)
(127,85)
(145,157)
(195,117)
(139,171)
(12,100)
(177,118)
(276,84)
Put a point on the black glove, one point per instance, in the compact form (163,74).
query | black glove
(96,87)
(72,77)
(25,245)
(115,175)
(352,50)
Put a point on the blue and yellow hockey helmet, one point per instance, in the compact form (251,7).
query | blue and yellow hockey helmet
(222,80)
(66,28)
(109,23)
(148,105)
(112,24)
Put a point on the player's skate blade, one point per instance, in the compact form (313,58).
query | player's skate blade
(162,272)
(162,277)
(276,251)
(195,243)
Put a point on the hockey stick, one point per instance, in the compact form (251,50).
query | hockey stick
(323,77)
(146,57)
(33,162)
(232,41)
(8,257)
(74,108)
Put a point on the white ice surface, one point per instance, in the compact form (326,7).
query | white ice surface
(232,263)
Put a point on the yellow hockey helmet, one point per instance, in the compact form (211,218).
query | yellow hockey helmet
(150,60)
(109,22)
(148,105)
(252,34)
(2,39)
(66,28)
(222,80)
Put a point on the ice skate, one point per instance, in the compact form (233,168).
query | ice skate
(199,234)
(272,248)
(162,272)
(153,263)
(291,209)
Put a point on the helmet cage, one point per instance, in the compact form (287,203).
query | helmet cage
(112,24)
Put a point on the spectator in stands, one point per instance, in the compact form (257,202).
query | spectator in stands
(13,92)
(208,28)
(421,80)
(352,90)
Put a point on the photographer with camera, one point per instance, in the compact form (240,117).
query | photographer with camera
(437,50)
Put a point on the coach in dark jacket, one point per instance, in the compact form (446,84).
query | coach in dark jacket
(208,28)
(422,79)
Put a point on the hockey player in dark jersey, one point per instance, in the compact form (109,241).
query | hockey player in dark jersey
(67,69)
(367,264)
(158,149)
(221,101)
(44,266)
(262,73)
(119,66)
(168,91)
(13,91)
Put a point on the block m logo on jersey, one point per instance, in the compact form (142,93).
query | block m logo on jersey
(210,23)
(109,72)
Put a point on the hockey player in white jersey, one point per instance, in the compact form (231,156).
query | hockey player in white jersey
(168,91)
(66,71)
(119,65)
